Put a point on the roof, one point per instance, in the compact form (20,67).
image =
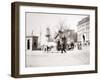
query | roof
(86,19)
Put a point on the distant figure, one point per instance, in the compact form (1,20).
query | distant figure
(83,38)
(58,45)
(72,45)
(63,45)
(79,46)
(47,48)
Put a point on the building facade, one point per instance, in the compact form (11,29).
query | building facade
(83,29)
(31,42)
(69,34)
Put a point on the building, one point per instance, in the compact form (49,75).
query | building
(31,42)
(83,30)
(70,35)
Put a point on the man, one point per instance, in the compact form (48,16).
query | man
(63,45)
(58,45)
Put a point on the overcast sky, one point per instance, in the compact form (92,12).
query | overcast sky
(38,22)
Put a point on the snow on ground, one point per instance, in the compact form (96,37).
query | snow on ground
(73,57)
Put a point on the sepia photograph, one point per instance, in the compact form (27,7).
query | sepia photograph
(57,39)
(53,39)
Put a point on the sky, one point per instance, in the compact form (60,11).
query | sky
(37,23)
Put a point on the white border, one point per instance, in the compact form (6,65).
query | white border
(24,70)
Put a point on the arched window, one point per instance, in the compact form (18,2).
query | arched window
(28,44)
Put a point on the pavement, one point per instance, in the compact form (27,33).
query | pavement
(74,57)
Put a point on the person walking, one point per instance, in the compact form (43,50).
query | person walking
(63,45)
